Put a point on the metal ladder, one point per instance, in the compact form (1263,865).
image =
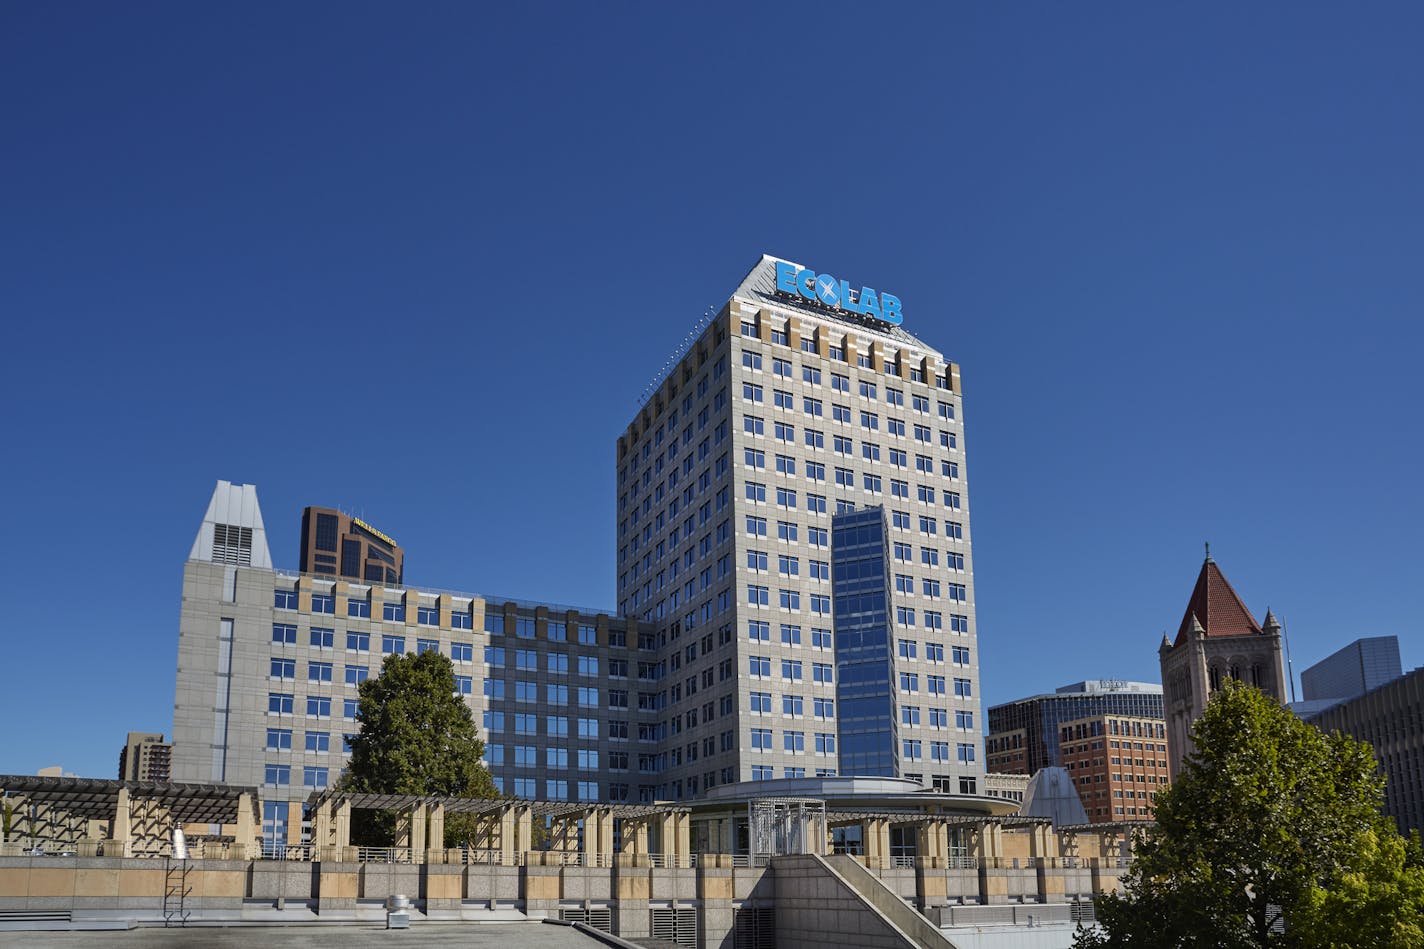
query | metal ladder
(175,892)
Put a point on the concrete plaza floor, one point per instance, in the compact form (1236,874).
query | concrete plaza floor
(356,936)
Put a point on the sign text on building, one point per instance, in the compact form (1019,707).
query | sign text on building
(371,530)
(823,288)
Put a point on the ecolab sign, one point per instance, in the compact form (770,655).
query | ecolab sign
(823,288)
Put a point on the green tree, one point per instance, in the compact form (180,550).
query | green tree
(1269,822)
(417,737)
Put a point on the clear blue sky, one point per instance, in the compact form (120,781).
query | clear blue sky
(419,260)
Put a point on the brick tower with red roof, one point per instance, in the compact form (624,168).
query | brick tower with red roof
(1218,639)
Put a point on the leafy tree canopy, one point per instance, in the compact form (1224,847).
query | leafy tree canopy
(1271,825)
(417,737)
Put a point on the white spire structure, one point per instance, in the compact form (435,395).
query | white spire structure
(232,531)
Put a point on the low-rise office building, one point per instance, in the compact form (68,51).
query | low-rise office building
(1391,718)
(269,665)
(1023,734)
(1118,764)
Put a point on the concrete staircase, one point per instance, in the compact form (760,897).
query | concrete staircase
(835,901)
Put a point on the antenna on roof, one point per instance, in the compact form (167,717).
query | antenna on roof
(1290,669)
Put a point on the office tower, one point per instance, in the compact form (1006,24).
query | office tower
(145,757)
(1391,718)
(1024,733)
(339,545)
(795,591)
(801,415)
(1217,639)
(1363,665)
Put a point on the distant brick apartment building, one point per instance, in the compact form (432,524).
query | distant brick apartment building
(1117,763)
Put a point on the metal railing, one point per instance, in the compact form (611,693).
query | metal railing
(269,851)
(383,855)
(478,857)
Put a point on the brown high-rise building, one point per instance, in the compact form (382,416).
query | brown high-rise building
(145,757)
(340,545)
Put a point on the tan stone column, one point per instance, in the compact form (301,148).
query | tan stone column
(417,833)
(684,839)
(637,842)
(343,825)
(673,834)
(524,830)
(321,831)
(248,830)
(435,833)
(931,841)
(876,834)
(508,827)
(598,837)
(121,832)
(294,823)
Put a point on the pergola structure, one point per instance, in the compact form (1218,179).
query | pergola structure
(503,830)
(945,837)
(91,816)
(1113,841)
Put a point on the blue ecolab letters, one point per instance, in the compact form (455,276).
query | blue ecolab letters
(827,290)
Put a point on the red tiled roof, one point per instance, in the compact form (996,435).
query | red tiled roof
(1217,607)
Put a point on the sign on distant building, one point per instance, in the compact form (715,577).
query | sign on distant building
(371,530)
(828,291)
